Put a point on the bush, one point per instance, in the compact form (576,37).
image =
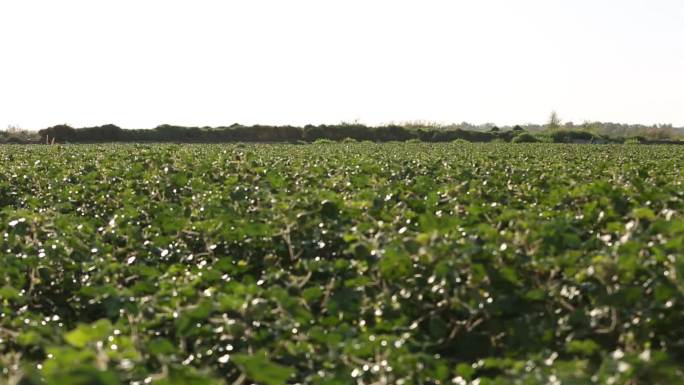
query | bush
(15,140)
(323,141)
(525,138)
(60,133)
(570,136)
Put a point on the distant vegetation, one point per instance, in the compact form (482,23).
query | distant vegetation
(14,134)
(553,131)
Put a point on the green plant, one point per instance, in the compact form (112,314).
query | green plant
(355,263)
(525,138)
(324,141)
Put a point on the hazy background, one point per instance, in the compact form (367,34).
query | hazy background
(143,63)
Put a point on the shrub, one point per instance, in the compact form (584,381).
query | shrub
(525,138)
(60,133)
(569,136)
(323,141)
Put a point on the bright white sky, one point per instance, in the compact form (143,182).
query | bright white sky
(142,63)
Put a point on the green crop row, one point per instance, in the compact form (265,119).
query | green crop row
(352,263)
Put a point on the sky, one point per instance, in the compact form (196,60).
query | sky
(141,63)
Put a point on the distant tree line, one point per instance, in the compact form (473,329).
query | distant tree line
(291,134)
(560,133)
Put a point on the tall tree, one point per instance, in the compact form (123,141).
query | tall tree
(554,121)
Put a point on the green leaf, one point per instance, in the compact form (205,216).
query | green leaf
(464,370)
(83,375)
(644,213)
(260,369)
(395,264)
(312,293)
(85,334)
(535,294)
(583,347)
(161,346)
(29,338)
(8,292)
